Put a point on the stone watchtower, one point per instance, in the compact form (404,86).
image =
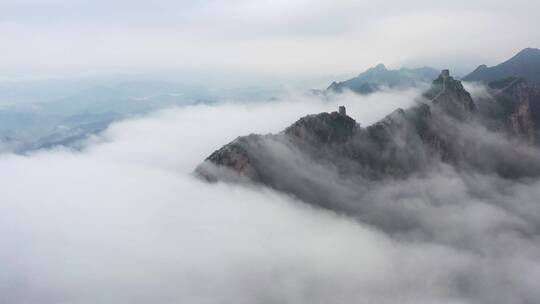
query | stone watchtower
(445,74)
(342,110)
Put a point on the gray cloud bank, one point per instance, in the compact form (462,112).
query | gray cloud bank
(124,221)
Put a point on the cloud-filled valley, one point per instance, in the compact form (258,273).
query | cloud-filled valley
(124,220)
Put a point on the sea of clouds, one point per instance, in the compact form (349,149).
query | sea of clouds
(125,221)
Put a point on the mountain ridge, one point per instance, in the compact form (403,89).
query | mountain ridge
(525,64)
(378,77)
(404,142)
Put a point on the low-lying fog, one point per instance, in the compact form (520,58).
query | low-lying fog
(124,221)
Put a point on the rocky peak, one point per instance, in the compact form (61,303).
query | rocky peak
(325,127)
(379,76)
(524,64)
(447,94)
(334,86)
(253,156)
(481,67)
(527,54)
(232,160)
(395,117)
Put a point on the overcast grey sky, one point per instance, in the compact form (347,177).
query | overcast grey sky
(296,38)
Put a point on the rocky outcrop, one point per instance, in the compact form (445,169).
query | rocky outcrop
(260,158)
(236,157)
(534,99)
(324,128)
(448,95)
(520,120)
(512,106)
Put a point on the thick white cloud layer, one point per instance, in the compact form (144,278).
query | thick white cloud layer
(124,222)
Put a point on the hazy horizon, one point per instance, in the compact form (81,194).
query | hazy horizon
(256,41)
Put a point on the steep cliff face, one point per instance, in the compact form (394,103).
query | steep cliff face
(535,104)
(513,106)
(520,120)
(235,157)
(514,102)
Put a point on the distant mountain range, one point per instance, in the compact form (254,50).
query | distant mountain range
(380,77)
(525,64)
